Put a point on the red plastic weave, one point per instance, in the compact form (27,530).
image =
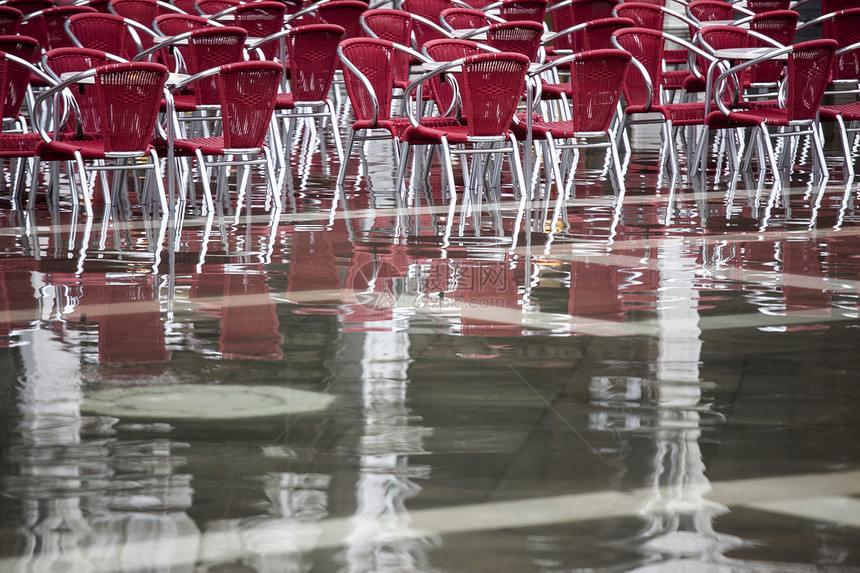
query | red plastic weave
(10,20)
(313,60)
(448,51)
(104,32)
(491,87)
(127,98)
(846,31)
(596,80)
(13,84)
(394,26)
(429,9)
(210,48)
(580,12)
(47,27)
(27,7)
(647,47)
(209,7)
(247,92)
(778,26)
(643,14)
(343,13)
(173,25)
(595,35)
(519,37)
(808,70)
(464,18)
(64,60)
(530,10)
(373,58)
(262,19)
(759,6)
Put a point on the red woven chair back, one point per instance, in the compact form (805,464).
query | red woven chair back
(480,4)
(846,31)
(394,26)
(448,50)
(211,48)
(104,32)
(10,20)
(127,98)
(209,7)
(710,10)
(141,11)
(186,6)
(492,86)
(647,47)
(643,14)
(375,59)
(596,78)
(261,19)
(47,26)
(173,25)
(313,60)
(580,12)
(247,94)
(66,60)
(778,26)
(809,67)
(723,38)
(595,36)
(518,10)
(14,79)
(519,37)
(431,10)
(343,13)
(27,7)
(830,6)
(759,6)
(464,18)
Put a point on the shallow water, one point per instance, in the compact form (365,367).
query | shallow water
(657,378)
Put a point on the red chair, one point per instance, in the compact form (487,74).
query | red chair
(27,7)
(369,74)
(212,7)
(393,26)
(569,13)
(596,80)
(759,6)
(809,65)
(428,28)
(343,13)
(170,25)
(703,11)
(642,87)
(127,96)
(519,37)
(463,19)
(107,33)
(10,20)
(518,10)
(262,19)
(844,27)
(141,11)
(28,50)
(846,116)
(779,26)
(448,50)
(47,26)
(651,15)
(246,95)
(312,52)
(491,86)
(19,144)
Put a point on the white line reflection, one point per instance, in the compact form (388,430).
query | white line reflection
(808,496)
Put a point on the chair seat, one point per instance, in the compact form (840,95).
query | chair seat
(678,113)
(398,126)
(675,56)
(186,147)
(19,144)
(674,79)
(693,84)
(557,129)
(555,91)
(848,111)
(454,134)
(65,150)
(183,102)
(748,118)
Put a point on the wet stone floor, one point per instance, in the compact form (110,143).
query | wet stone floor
(659,377)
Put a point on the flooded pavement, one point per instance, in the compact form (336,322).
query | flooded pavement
(662,377)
